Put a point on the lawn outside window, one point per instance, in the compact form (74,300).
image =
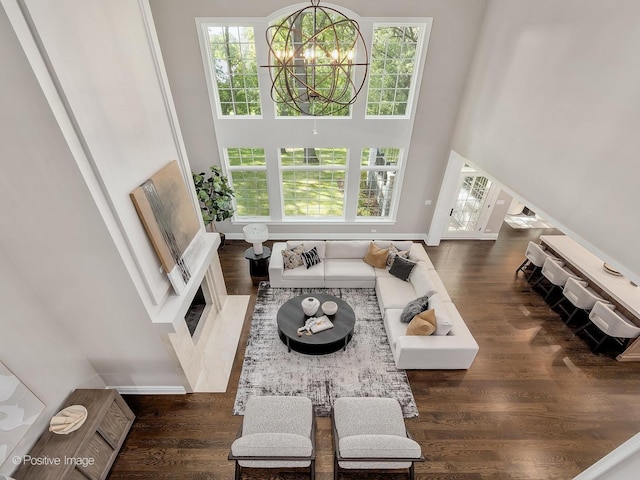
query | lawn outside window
(313,182)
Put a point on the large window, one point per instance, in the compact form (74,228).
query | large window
(378,173)
(393,60)
(286,167)
(248,172)
(233,61)
(313,181)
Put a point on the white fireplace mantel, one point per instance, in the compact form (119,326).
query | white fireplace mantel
(175,307)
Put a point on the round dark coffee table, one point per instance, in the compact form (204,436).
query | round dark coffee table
(290,317)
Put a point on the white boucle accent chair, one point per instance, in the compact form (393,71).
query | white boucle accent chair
(276,432)
(370,433)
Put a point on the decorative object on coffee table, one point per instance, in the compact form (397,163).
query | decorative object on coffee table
(290,318)
(310,306)
(330,307)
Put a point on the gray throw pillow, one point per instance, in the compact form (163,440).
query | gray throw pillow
(402,268)
(413,308)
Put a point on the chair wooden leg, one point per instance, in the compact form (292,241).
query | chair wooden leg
(237,471)
(335,467)
(412,471)
(312,470)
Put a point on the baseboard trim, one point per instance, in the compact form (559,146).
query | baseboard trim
(150,390)
(337,236)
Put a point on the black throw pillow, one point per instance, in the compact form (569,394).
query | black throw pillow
(402,268)
(413,308)
(311,257)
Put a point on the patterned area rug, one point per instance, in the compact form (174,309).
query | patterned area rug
(365,369)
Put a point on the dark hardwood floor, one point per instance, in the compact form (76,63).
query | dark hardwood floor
(536,403)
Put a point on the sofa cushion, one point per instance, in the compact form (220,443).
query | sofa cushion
(292,258)
(393,326)
(308,245)
(346,248)
(413,308)
(347,269)
(423,323)
(422,281)
(368,416)
(376,257)
(383,446)
(399,244)
(382,272)
(313,273)
(272,445)
(402,268)
(393,292)
(444,323)
(311,257)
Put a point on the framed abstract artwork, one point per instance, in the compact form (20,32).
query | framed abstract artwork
(19,408)
(165,208)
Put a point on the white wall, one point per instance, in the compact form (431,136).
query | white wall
(100,54)
(552,111)
(455,26)
(33,345)
(58,232)
(37,350)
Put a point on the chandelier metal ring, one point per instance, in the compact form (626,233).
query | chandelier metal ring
(311,60)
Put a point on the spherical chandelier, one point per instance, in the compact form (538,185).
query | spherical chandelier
(312,60)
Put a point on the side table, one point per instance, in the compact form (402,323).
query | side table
(89,452)
(258,264)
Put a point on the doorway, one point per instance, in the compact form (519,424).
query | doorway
(468,213)
(467,201)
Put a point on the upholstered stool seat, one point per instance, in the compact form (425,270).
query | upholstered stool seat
(535,256)
(369,433)
(580,295)
(556,276)
(276,432)
(610,324)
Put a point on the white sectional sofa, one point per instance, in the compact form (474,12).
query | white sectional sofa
(342,266)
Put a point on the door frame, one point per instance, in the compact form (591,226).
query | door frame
(447,197)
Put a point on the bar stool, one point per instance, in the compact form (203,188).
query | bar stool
(611,324)
(578,293)
(535,256)
(556,275)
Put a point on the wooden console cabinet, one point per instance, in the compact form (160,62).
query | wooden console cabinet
(87,453)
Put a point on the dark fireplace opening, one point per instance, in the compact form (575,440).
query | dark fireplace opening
(195,311)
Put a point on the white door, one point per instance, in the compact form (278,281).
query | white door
(468,216)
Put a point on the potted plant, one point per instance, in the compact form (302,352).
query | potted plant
(215,196)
